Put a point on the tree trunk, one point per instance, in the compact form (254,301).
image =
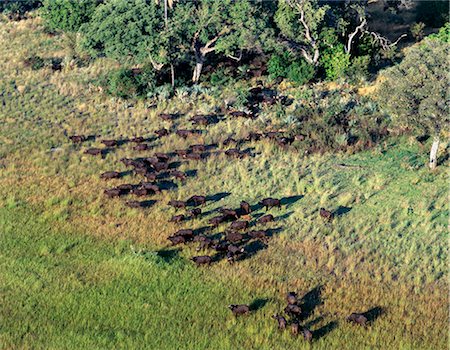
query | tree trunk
(197,71)
(172,74)
(433,153)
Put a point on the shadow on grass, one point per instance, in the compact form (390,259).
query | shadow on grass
(168,255)
(310,301)
(373,314)
(287,201)
(217,197)
(323,331)
(342,210)
(258,304)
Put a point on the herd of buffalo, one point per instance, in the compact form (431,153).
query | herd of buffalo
(242,236)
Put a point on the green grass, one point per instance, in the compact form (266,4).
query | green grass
(70,280)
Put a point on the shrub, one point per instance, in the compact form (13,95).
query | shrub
(221,76)
(286,66)
(443,35)
(300,72)
(417,30)
(131,83)
(277,65)
(359,68)
(67,15)
(335,61)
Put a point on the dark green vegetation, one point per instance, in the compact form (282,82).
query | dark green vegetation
(79,270)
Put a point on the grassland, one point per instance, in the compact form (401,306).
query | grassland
(70,280)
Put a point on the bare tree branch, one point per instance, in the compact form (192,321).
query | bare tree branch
(352,35)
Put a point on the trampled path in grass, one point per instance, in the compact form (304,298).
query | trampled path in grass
(387,247)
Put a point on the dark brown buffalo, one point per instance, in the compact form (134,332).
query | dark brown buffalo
(239,225)
(262,235)
(293,310)
(110,175)
(162,132)
(245,207)
(182,152)
(195,212)
(141,147)
(176,240)
(234,237)
(179,175)
(162,157)
(177,204)
(193,156)
(140,192)
(160,166)
(235,153)
(77,138)
(199,120)
(270,203)
(186,233)
(326,214)
(125,187)
(291,298)
(150,187)
(196,201)
(281,321)
(112,192)
(109,143)
(177,218)
(137,139)
(239,310)
(265,219)
(358,319)
(202,260)
(229,213)
(187,133)
(216,221)
(94,151)
(150,175)
(307,334)
(198,148)
(295,328)
(127,161)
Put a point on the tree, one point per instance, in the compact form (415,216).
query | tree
(300,23)
(67,15)
(222,26)
(415,91)
(126,30)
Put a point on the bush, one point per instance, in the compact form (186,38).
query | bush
(359,68)
(278,64)
(285,65)
(68,15)
(300,72)
(16,10)
(221,76)
(443,35)
(335,61)
(132,83)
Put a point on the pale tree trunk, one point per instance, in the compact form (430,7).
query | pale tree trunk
(197,70)
(433,152)
(172,74)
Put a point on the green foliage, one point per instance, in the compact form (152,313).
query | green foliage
(300,72)
(417,30)
(221,76)
(335,61)
(67,15)
(278,64)
(415,91)
(16,10)
(359,67)
(124,30)
(285,65)
(129,83)
(443,34)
